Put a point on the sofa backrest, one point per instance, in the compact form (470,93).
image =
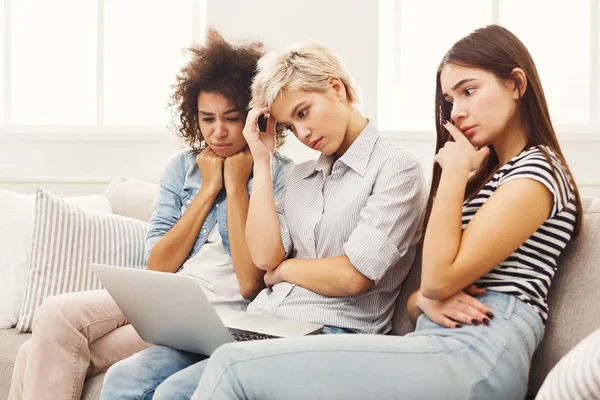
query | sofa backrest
(132,198)
(574,297)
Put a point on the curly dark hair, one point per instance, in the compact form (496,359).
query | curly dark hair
(218,66)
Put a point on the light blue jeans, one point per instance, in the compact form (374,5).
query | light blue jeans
(473,362)
(160,372)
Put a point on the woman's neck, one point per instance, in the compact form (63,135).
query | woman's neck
(356,124)
(509,144)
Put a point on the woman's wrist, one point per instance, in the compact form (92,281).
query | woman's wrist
(211,190)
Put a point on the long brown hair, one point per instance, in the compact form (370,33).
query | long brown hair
(495,49)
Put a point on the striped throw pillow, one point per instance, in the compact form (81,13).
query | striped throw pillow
(577,374)
(66,239)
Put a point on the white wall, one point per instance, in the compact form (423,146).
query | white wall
(72,164)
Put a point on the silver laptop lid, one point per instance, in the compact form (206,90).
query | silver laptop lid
(164,308)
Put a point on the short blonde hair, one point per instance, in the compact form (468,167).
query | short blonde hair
(302,66)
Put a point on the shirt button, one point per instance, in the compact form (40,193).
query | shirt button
(203,230)
(188,202)
(224,225)
(217,205)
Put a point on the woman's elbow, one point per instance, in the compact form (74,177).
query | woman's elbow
(358,284)
(433,291)
(249,290)
(267,260)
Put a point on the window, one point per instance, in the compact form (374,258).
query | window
(53,62)
(3,93)
(561,53)
(414,36)
(421,35)
(92,65)
(140,66)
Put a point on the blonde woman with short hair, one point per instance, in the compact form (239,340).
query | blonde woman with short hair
(338,243)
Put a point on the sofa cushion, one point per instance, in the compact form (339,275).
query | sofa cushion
(17,213)
(132,198)
(573,297)
(577,375)
(66,240)
(92,388)
(10,341)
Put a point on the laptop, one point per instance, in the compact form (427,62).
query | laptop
(172,310)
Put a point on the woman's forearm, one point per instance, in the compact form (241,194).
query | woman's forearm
(332,276)
(263,236)
(444,231)
(173,249)
(249,277)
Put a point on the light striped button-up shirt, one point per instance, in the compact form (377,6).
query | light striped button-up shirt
(367,205)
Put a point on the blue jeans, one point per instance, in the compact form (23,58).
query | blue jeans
(160,372)
(473,362)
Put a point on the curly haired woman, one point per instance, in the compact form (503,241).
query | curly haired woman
(197,229)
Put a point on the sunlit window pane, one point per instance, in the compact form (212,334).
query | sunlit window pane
(559,43)
(143,43)
(427,30)
(2,61)
(386,64)
(53,62)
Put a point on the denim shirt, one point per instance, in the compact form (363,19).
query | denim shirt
(181,182)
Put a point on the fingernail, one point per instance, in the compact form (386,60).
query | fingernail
(458,325)
(444,122)
(489,314)
(475,322)
(486,321)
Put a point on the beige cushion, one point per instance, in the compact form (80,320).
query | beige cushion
(17,211)
(10,341)
(574,297)
(92,388)
(132,198)
(577,375)
(66,240)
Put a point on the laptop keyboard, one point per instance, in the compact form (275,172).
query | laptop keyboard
(240,335)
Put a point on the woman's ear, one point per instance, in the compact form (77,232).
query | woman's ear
(338,87)
(520,79)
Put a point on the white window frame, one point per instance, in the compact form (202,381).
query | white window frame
(566,132)
(98,132)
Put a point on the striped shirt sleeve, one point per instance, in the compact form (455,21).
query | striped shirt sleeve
(391,218)
(535,166)
(281,170)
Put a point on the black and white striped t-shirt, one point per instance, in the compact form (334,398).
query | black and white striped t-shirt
(528,272)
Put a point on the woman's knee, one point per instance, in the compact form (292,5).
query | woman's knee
(123,380)
(56,310)
(182,384)
(21,360)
